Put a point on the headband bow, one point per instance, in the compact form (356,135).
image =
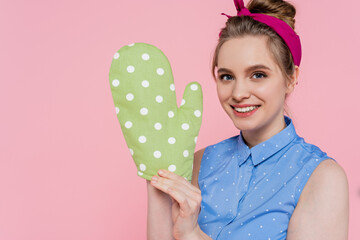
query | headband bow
(291,39)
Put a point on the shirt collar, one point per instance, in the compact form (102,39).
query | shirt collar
(266,149)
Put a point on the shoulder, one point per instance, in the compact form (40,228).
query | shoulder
(196,167)
(323,206)
(328,179)
(329,170)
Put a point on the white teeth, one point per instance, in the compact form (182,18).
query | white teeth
(246,109)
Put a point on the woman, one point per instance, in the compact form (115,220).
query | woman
(266,182)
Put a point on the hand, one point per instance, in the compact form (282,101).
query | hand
(186,202)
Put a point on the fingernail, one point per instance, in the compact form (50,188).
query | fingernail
(154,179)
(160,172)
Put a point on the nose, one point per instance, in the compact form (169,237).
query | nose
(241,90)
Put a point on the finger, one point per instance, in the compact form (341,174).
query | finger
(170,175)
(169,185)
(180,197)
(193,194)
(172,200)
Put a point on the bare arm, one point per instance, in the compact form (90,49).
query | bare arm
(322,211)
(196,167)
(159,223)
(159,218)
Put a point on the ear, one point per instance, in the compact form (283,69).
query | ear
(293,81)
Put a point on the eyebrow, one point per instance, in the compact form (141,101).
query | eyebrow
(248,69)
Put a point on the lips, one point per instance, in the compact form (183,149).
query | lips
(244,105)
(244,112)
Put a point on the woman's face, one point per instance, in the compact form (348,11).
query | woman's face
(247,75)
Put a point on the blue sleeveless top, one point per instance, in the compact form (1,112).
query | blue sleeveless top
(251,193)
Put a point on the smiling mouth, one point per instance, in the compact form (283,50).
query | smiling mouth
(245,109)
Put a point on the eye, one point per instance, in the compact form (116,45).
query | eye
(225,77)
(260,74)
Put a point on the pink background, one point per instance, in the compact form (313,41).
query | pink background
(65,170)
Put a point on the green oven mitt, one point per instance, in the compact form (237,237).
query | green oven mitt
(158,134)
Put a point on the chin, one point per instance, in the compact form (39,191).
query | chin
(245,124)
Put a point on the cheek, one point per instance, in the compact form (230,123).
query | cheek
(270,92)
(222,91)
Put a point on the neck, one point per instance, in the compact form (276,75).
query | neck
(256,136)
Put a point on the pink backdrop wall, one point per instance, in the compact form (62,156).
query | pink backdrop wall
(65,170)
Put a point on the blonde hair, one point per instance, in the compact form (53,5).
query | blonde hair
(240,26)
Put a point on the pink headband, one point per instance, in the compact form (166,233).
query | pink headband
(291,39)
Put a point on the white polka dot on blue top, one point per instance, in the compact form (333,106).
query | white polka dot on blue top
(251,193)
